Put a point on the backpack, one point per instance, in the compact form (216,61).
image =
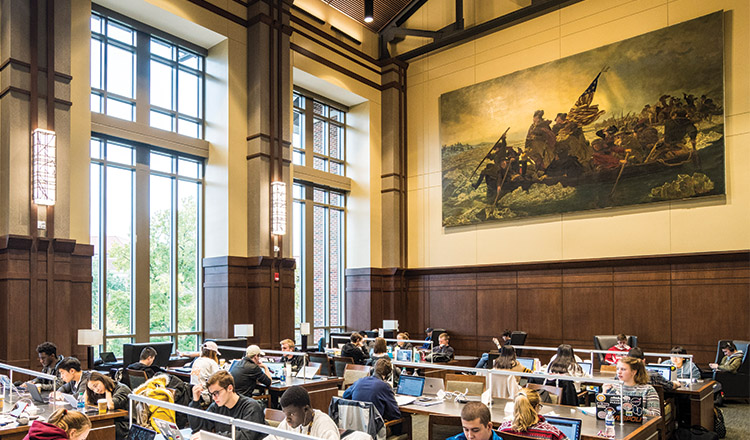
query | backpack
(719,426)
(696,432)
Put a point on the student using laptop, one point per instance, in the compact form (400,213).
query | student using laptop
(75,379)
(632,372)
(301,418)
(354,349)
(296,362)
(526,418)
(116,394)
(61,425)
(654,377)
(250,371)
(374,389)
(476,423)
(50,361)
(565,362)
(683,366)
(380,351)
(206,365)
(228,403)
(507,360)
(146,363)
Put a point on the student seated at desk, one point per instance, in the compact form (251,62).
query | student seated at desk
(301,418)
(633,373)
(507,360)
(476,423)
(50,361)
(226,402)
(380,351)
(116,394)
(654,378)
(206,365)
(444,349)
(374,389)
(295,361)
(618,350)
(250,371)
(75,379)
(146,363)
(731,361)
(401,344)
(61,425)
(683,366)
(427,339)
(505,338)
(526,418)
(354,350)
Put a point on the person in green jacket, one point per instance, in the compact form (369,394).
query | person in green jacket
(731,361)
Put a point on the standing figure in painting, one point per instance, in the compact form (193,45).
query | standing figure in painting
(540,142)
(500,158)
(571,138)
(675,130)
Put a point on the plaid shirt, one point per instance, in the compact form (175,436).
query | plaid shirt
(541,430)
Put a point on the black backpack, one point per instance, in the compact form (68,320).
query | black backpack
(696,432)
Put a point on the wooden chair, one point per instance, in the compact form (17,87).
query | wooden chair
(667,425)
(353,373)
(459,382)
(323,360)
(136,378)
(274,416)
(339,364)
(443,427)
(553,391)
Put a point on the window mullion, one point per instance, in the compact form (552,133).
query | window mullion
(143,78)
(175,287)
(309,255)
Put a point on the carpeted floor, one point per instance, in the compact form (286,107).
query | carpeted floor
(736,419)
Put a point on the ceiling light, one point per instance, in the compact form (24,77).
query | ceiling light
(368,10)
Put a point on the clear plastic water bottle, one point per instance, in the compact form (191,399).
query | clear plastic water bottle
(609,424)
(81,406)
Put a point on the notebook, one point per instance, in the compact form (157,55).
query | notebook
(409,388)
(632,407)
(570,427)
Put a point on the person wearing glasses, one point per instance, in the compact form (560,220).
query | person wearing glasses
(226,402)
(526,418)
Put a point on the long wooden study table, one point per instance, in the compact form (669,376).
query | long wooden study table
(590,427)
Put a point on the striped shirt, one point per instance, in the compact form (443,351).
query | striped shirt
(651,406)
(540,430)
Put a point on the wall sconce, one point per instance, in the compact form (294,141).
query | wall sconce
(243,331)
(44,181)
(369,8)
(278,208)
(92,338)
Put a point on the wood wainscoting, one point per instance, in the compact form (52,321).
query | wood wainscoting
(45,295)
(690,300)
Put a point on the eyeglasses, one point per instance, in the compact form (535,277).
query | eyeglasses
(215,394)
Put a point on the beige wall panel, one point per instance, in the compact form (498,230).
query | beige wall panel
(190,12)
(336,58)
(415,68)
(237,135)
(360,218)
(338,79)
(680,227)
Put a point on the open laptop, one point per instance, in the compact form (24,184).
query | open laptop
(276,369)
(169,430)
(526,362)
(140,433)
(409,388)
(404,355)
(432,385)
(632,407)
(308,372)
(35,394)
(586,367)
(666,371)
(570,427)
(207,435)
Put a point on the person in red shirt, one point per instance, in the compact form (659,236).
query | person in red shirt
(618,350)
(61,425)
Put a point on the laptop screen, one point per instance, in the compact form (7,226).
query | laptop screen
(275,367)
(140,433)
(403,356)
(586,366)
(526,362)
(664,370)
(570,427)
(410,386)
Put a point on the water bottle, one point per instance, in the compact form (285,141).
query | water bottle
(609,424)
(283,374)
(81,406)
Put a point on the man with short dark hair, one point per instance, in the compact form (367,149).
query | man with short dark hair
(75,379)
(374,389)
(476,423)
(302,418)
(618,350)
(354,350)
(146,363)
(250,371)
(444,348)
(47,352)
(731,361)
(226,402)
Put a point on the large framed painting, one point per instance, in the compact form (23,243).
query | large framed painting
(635,122)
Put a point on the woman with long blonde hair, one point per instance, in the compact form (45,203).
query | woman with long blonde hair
(526,418)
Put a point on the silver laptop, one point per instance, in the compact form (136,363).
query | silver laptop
(169,430)
(308,372)
(432,385)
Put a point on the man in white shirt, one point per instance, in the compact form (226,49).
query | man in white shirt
(302,418)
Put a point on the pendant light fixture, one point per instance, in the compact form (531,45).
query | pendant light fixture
(368,10)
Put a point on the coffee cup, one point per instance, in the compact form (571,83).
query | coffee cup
(102,403)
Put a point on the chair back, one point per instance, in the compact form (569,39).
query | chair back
(339,364)
(554,392)
(323,360)
(443,427)
(518,338)
(505,387)
(605,342)
(736,385)
(460,383)
(136,378)
(274,416)
(354,372)
(357,416)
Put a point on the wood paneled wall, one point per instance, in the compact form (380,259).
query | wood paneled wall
(688,300)
(45,295)
(241,290)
